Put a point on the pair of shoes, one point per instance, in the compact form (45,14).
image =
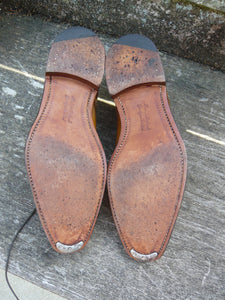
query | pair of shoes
(65,160)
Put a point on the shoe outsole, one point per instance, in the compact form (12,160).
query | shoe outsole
(65,160)
(147,171)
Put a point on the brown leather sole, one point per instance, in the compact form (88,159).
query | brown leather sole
(147,171)
(65,160)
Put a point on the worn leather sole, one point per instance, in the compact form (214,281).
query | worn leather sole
(147,171)
(64,157)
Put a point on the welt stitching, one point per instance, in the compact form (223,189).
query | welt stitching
(118,150)
(182,168)
(103,163)
(28,160)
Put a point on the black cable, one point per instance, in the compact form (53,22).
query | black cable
(10,249)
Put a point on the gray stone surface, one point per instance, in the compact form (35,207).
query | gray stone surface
(24,289)
(180,27)
(193,266)
(212,4)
